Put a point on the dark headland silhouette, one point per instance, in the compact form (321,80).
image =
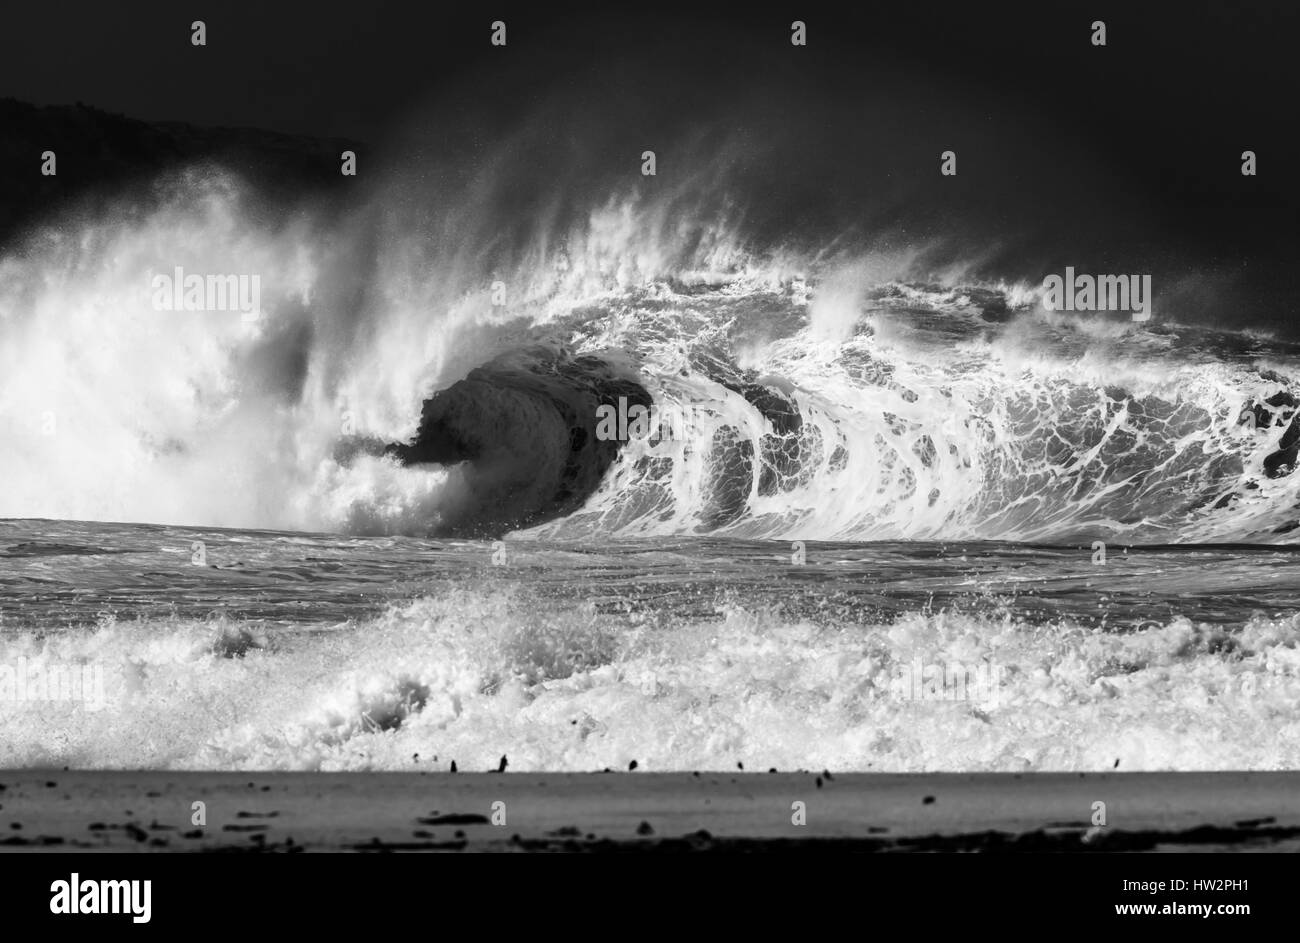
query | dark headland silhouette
(102,156)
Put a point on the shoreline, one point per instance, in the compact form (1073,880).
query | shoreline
(87,811)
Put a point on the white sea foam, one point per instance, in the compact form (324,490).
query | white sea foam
(472,675)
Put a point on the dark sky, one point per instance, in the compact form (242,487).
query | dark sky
(344,69)
(1136,144)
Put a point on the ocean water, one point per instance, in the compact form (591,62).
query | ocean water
(295,651)
(902,517)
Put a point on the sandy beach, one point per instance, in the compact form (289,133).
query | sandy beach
(630,811)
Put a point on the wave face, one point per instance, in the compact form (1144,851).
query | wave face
(932,414)
(415,371)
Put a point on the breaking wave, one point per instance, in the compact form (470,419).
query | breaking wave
(417,371)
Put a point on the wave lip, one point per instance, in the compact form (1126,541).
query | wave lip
(524,429)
